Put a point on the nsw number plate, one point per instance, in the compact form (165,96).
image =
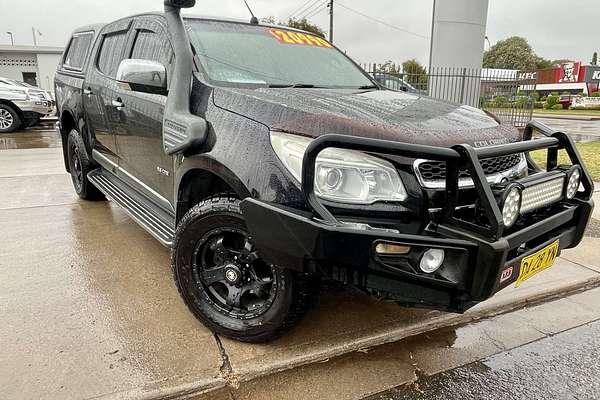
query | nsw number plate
(538,262)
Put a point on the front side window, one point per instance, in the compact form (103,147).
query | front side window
(152,46)
(112,53)
(78,50)
(241,54)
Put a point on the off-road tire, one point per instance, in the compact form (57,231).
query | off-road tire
(16,120)
(80,165)
(295,292)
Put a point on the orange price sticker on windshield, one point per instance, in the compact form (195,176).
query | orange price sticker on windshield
(289,37)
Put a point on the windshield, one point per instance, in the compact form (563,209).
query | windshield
(240,54)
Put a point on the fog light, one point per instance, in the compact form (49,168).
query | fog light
(391,249)
(432,260)
(511,209)
(573,183)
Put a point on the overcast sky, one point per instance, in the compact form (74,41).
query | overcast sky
(555,28)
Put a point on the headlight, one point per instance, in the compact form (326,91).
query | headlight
(344,176)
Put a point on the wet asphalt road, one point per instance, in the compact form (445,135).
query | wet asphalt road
(579,130)
(564,366)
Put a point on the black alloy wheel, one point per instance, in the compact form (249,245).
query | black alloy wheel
(238,282)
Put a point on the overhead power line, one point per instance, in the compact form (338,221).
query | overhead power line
(304,8)
(298,9)
(382,22)
(318,11)
(311,10)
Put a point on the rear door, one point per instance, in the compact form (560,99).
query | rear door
(139,143)
(100,89)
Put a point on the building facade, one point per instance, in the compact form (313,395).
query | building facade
(35,65)
(572,77)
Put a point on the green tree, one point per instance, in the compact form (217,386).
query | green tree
(302,24)
(388,67)
(552,101)
(561,61)
(414,73)
(595,58)
(513,53)
(269,20)
(542,63)
(305,25)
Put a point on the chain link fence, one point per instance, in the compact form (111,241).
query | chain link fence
(505,93)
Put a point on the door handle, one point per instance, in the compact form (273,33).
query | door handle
(88,91)
(118,104)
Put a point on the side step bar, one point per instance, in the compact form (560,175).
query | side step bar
(157,222)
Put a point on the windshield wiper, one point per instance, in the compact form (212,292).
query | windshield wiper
(366,87)
(295,85)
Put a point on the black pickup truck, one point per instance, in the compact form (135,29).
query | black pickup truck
(268,160)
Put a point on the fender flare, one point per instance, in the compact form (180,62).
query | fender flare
(208,164)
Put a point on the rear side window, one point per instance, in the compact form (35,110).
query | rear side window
(112,53)
(78,50)
(152,46)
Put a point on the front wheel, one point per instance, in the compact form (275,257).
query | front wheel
(9,119)
(224,281)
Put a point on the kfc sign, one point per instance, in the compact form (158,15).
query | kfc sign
(569,72)
(596,76)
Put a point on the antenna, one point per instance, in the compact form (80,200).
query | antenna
(253,20)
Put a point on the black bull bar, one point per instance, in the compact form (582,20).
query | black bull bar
(291,239)
(456,158)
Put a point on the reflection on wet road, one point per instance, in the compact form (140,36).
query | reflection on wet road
(41,137)
(565,366)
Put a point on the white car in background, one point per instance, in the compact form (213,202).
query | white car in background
(22,105)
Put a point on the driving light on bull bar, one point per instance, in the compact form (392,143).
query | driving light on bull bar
(432,260)
(344,176)
(573,183)
(389,249)
(511,207)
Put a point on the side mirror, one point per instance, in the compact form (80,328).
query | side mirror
(143,76)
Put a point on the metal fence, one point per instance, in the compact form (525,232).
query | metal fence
(505,93)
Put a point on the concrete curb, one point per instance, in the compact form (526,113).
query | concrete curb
(435,323)
(219,385)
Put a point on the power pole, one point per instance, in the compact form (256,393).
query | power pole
(331,21)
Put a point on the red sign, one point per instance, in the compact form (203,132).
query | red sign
(569,72)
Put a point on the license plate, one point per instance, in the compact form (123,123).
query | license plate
(538,262)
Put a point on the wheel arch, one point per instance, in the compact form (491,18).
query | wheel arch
(200,178)
(68,123)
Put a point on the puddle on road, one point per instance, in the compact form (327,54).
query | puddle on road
(40,138)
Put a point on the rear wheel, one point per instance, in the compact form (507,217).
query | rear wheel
(225,282)
(9,119)
(80,165)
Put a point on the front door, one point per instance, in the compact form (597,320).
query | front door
(100,88)
(139,143)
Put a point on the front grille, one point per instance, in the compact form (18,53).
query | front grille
(436,170)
